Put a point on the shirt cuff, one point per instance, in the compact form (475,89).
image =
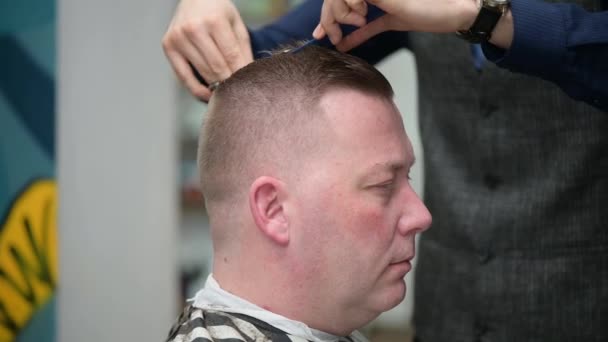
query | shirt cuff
(539,39)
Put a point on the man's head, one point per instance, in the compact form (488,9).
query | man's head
(304,165)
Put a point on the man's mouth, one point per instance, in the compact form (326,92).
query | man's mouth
(404,259)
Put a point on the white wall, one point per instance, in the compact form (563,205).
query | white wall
(117,160)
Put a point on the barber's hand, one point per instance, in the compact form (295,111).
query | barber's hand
(211,35)
(334,13)
(401,15)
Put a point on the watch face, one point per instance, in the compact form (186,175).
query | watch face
(495,3)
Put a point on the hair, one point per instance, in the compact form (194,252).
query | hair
(265,117)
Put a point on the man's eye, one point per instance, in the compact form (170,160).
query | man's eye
(387,187)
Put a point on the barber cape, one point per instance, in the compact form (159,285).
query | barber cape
(216,315)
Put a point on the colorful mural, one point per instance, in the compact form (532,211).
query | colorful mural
(28,195)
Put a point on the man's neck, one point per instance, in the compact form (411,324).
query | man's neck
(278,295)
(215,296)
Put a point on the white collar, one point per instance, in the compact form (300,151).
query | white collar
(213,297)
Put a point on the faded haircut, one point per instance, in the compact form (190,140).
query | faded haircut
(266,117)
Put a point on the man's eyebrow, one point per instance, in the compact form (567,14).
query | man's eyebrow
(392,167)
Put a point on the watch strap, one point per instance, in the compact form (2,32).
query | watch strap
(482,28)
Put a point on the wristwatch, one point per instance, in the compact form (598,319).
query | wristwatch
(489,14)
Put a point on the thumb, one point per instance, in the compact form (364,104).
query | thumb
(364,33)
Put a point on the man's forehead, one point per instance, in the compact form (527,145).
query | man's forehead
(344,96)
(349,108)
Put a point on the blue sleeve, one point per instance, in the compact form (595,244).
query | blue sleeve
(299,23)
(562,43)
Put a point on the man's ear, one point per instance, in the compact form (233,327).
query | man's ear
(266,201)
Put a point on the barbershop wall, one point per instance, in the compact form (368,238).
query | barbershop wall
(117,162)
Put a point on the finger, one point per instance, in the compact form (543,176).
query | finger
(319,32)
(191,54)
(364,33)
(352,18)
(242,36)
(328,21)
(334,32)
(216,68)
(359,6)
(184,73)
(343,14)
(184,47)
(224,38)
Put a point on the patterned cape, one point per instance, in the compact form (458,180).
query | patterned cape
(198,325)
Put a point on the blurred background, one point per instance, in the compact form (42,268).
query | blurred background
(103,233)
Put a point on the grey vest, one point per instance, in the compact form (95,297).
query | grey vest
(517,181)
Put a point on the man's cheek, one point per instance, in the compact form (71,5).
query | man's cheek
(371,221)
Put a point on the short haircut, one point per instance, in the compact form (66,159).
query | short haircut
(266,116)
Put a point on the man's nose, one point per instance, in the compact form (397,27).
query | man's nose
(415,217)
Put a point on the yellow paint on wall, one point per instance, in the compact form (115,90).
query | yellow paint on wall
(28,256)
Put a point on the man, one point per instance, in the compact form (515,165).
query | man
(304,165)
(514,176)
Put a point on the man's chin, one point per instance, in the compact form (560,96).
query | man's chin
(392,296)
(400,296)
